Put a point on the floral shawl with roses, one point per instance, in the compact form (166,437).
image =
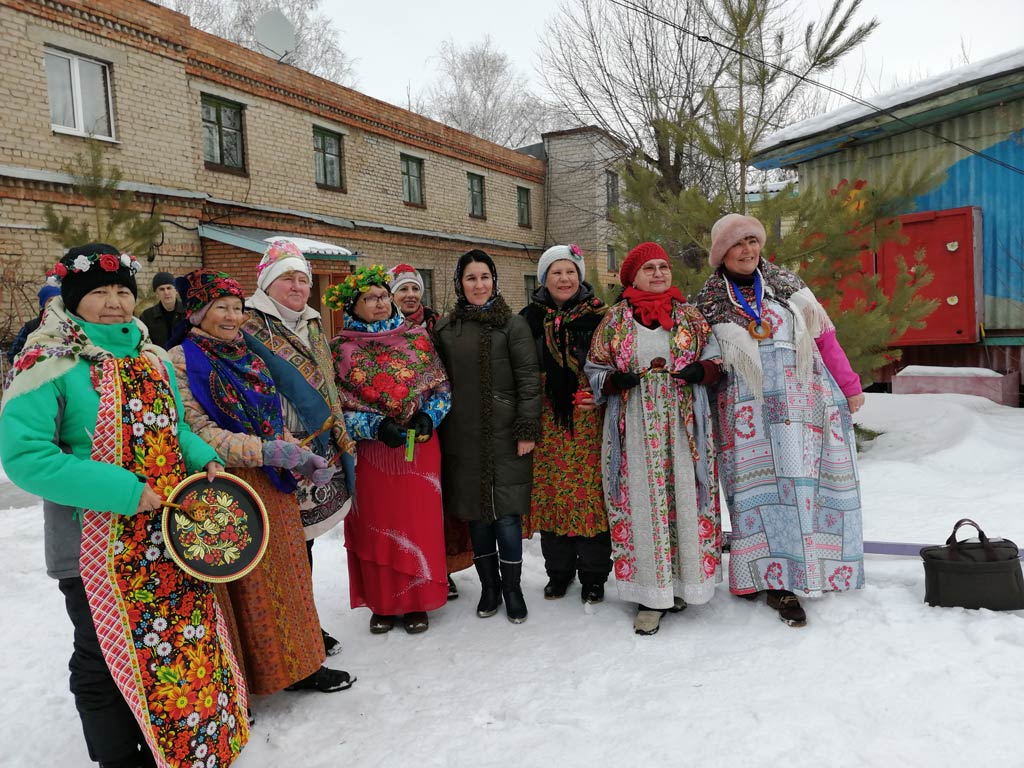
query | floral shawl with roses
(56,346)
(658,460)
(388,369)
(236,390)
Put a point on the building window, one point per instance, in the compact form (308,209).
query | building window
(428,287)
(223,146)
(530,284)
(79,92)
(613,261)
(523,206)
(476,196)
(611,192)
(329,159)
(412,180)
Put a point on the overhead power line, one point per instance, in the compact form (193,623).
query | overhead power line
(876,110)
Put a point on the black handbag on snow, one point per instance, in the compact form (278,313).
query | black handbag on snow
(973,574)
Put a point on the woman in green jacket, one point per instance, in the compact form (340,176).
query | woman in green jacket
(91,421)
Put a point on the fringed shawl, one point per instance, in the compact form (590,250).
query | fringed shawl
(739,349)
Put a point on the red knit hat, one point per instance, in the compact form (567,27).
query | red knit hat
(636,258)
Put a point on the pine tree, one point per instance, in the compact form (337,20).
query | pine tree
(115,218)
(828,238)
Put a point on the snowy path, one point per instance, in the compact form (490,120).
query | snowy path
(877,678)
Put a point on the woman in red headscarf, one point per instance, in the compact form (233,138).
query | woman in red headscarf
(658,459)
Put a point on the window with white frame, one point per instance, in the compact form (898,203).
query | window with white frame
(329,159)
(79,93)
(223,138)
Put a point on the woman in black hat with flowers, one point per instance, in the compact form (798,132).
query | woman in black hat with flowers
(91,420)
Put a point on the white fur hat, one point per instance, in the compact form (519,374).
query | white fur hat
(728,231)
(556,253)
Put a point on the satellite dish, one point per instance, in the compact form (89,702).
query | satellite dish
(275,35)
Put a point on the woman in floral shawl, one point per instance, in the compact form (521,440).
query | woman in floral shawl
(394,393)
(567,504)
(286,333)
(91,421)
(658,459)
(232,403)
(785,437)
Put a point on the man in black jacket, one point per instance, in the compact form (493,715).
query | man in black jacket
(46,293)
(167,312)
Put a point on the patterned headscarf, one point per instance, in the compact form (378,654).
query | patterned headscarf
(282,256)
(200,287)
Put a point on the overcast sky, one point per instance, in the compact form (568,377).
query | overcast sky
(395,41)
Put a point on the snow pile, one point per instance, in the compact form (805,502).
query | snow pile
(890,101)
(877,678)
(943,370)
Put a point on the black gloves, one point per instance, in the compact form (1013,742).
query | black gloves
(620,381)
(691,374)
(389,433)
(422,424)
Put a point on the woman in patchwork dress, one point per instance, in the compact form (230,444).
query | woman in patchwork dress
(658,459)
(785,439)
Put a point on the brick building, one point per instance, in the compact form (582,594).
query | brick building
(236,147)
(582,189)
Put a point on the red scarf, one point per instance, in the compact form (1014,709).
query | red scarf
(653,307)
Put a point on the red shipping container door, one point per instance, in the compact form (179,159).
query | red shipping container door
(951,240)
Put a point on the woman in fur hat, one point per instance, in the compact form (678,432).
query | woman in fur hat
(391,382)
(658,458)
(488,438)
(232,402)
(286,333)
(785,437)
(153,673)
(563,314)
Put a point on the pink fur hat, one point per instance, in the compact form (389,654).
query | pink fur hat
(728,231)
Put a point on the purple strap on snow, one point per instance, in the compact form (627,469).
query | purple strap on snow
(899,548)
(892,548)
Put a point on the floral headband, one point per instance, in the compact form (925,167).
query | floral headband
(107,262)
(359,282)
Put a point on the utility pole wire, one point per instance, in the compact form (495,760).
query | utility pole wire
(629,6)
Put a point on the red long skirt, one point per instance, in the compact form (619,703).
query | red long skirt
(395,532)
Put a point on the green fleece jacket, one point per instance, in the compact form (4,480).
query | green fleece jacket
(46,443)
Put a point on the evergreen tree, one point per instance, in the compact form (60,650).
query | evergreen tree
(115,217)
(829,238)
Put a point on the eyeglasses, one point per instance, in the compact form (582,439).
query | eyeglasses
(383,298)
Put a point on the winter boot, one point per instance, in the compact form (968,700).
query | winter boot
(592,593)
(558,584)
(490,584)
(515,605)
(786,603)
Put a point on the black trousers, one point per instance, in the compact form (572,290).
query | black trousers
(565,556)
(112,733)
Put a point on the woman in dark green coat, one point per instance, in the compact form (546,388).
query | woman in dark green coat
(489,435)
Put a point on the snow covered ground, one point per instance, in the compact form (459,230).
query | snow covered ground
(877,678)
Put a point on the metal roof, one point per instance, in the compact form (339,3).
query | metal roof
(950,94)
(256,240)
